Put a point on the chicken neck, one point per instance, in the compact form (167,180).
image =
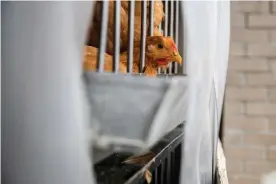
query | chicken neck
(150,67)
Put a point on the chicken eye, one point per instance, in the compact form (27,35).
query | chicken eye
(160,46)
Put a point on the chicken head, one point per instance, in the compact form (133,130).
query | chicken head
(161,51)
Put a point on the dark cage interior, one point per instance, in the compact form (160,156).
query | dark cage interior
(165,168)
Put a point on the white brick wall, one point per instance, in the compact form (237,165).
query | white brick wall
(250,105)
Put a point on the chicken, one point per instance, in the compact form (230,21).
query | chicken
(95,29)
(160,51)
(91,58)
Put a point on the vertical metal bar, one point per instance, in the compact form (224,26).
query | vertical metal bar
(173,174)
(131,6)
(165,71)
(143,34)
(176,31)
(184,34)
(103,36)
(162,32)
(171,28)
(160,28)
(165,28)
(162,173)
(168,168)
(156,175)
(151,25)
(171,17)
(117,27)
(178,159)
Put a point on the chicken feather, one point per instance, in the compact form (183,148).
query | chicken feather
(95,28)
(91,58)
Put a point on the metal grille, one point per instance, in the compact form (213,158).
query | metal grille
(165,169)
(169,27)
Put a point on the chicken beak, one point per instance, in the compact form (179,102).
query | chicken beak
(176,57)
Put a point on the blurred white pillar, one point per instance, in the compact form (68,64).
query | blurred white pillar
(43,110)
(207,44)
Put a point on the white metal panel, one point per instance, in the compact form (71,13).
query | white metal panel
(43,118)
(222,51)
(202,32)
(223,43)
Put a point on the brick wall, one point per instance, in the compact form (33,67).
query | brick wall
(250,106)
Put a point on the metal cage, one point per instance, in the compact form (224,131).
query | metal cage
(165,90)
(135,103)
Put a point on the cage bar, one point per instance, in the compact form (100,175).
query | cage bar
(171,11)
(131,6)
(171,29)
(159,71)
(143,34)
(168,168)
(162,171)
(103,36)
(182,27)
(117,27)
(165,26)
(176,31)
(160,28)
(156,176)
(173,174)
(151,24)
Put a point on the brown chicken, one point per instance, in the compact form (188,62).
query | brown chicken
(95,29)
(91,57)
(159,52)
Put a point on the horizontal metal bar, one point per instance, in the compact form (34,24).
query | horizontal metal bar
(103,36)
